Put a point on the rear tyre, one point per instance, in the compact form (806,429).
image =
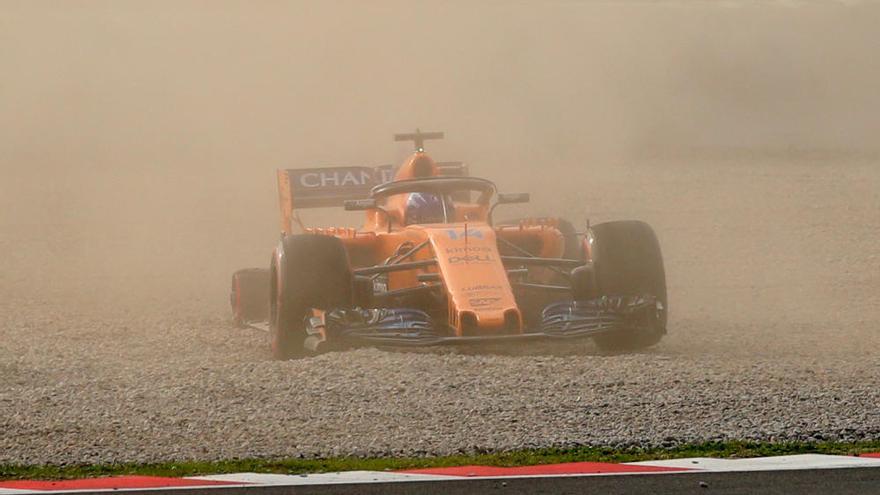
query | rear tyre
(628,262)
(309,271)
(249,296)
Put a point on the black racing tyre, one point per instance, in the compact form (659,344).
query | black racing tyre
(627,261)
(312,271)
(249,296)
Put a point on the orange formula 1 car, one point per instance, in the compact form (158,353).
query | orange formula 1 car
(430,267)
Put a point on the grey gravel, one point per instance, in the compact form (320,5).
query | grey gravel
(773,274)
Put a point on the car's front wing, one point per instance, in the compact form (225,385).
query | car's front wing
(411,327)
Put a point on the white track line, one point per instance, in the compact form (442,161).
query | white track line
(323,478)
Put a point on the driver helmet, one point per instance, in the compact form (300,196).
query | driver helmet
(427,208)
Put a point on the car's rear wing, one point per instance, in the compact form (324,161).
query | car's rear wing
(332,186)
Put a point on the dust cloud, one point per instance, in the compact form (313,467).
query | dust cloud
(138,140)
(138,143)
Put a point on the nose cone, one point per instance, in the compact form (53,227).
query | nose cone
(480,298)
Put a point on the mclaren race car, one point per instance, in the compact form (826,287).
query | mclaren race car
(430,266)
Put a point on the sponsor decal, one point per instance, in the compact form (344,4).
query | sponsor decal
(357,177)
(470,258)
(478,288)
(330,186)
(360,178)
(336,178)
(456,234)
(311,187)
(483,302)
(380,285)
(468,249)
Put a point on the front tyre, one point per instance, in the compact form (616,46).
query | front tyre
(628,262)
(308,271)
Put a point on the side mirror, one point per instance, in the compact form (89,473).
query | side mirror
(507,199)
(359,204)
(511,198)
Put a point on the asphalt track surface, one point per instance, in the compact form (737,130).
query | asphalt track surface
(802,482)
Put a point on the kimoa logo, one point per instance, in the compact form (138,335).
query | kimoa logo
(336,178)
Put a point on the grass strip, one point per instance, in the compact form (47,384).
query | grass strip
(732,449)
